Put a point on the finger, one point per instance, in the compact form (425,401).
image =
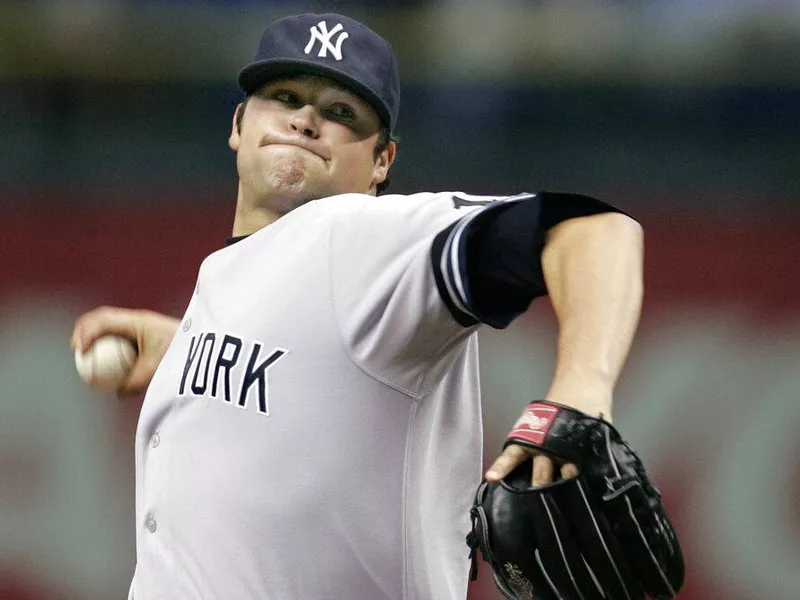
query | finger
(139,377)
(76,339)
(568,471)
(513,456)
(542,471)
(124,395)
(103,321)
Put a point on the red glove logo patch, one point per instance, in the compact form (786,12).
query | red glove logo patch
(533,425)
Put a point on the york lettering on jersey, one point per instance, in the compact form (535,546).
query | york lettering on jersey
(221,366)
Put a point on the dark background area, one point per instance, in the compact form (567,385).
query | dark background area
(116,180)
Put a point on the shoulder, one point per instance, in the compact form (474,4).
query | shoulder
(392,223)
(403,217)
(385,204)
(422,205)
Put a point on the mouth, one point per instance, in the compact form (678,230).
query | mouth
(302,146)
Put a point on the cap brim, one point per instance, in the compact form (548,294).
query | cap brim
(255,75)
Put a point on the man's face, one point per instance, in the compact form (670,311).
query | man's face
(304,138)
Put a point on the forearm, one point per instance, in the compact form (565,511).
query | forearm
(593,269)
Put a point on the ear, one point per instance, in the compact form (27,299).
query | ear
(383,163)
(235,137)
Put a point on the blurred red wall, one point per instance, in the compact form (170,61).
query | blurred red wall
(694,263)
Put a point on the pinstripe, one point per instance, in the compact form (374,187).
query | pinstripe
(450,265)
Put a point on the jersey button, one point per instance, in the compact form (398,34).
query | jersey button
(155,440)
(187,324)
(151,524)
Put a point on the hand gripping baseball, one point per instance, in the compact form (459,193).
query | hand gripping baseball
(603,534)
(151,333)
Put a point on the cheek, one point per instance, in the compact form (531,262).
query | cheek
(357,162)
(251,136)
(246,155)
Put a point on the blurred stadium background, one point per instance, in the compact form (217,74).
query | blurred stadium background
(116,180)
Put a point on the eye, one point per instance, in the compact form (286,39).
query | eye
(341,112)
(287,97)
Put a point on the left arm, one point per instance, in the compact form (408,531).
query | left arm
(593,269)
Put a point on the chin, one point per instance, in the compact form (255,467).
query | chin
(284,194)
(290,171)
(288,203)
(288,182)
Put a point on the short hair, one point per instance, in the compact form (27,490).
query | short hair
(385,137)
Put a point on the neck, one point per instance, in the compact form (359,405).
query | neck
(250,216)
(250,220)
(254,214)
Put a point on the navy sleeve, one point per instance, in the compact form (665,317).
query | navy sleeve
(488,265)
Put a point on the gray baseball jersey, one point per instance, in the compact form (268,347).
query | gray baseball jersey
(314,429)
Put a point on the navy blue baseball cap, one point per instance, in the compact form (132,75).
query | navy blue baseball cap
(333,46)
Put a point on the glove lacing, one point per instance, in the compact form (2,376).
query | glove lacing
(472,542)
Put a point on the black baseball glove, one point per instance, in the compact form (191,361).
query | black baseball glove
(602,535)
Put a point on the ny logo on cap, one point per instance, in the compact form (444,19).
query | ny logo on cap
(320,33)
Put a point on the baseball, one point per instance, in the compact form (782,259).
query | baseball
(107,363)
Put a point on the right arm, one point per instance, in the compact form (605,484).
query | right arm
(151,332)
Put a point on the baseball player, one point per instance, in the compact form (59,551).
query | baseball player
(312,424)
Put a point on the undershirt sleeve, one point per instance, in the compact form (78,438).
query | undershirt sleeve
(499,256)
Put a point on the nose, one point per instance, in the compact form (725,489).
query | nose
(304,121)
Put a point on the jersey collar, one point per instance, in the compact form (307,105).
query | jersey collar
(232,240)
